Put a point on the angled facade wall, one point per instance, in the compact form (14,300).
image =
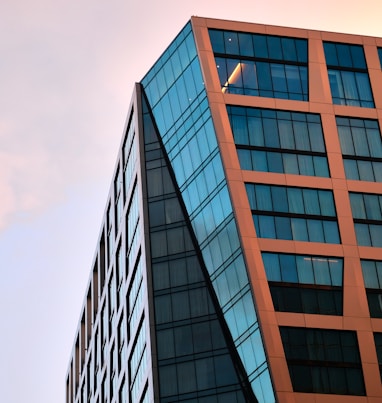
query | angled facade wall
(240,257)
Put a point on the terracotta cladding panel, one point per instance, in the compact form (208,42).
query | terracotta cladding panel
(355,306)
(324,321)
(282,381)
(372,57)
(367,348)
(365,113)
(376,85)
(376,325)
(338,37)
(372,378)
(319,88)
(256,102)
(235,26)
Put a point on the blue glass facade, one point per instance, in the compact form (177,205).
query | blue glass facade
(190,142)
(245,211)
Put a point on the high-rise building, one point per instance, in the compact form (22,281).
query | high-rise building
(240,255)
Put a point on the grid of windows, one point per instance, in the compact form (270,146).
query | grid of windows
(279,141)
(372,275)
(361,147)
(301,283)
(261,65)
(298,214)
(348,76)
(323,361)
(367,215)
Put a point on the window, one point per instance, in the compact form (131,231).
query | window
(120,276)
(279,141)
(122,343)
(110,234)
(361,148)
(112,302)
(129,156)
(378,347)
(122,396)
(133,227)
(367,216)
(261,65)
(135,296)
(372,275)
(380,55)
(301,283)
(298,214)
(137,363)
(323,361)
(118,201)
(348,76)
(113,371)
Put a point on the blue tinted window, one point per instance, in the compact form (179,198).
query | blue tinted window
(298,213)
(348,76)
(380,55)
(272,141)
(273,66)
(361,146)
(367,215)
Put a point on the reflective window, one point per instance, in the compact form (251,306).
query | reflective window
(112,302)
(323,361)
(129,153)
(367,215)
(361,146)
(372,275)
(261,65)
(133,227)
(298,214)
(110,233)
(279,141)
(301,283)
(138,362)
(120,275)
(348,76)
(135,296)
(122,343)
(380,55)
(122,395)
(118,200)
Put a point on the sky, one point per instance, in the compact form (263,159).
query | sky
(67,71)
